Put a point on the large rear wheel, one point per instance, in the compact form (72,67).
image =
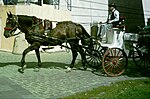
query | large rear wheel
(114,61)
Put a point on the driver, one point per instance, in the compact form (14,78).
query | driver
(106,30)
(113,16)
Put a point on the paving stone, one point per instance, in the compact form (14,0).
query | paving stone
(5,88)
(11,90)
(50,82)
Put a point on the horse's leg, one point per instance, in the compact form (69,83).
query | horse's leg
(74,56)
(34,46)
(39,59)
(81,51)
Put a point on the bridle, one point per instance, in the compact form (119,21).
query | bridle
(13,29)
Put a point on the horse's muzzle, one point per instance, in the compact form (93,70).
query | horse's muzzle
(7,34)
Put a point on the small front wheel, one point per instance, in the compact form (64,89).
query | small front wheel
(93,58)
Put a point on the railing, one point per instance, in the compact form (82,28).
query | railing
(55,3)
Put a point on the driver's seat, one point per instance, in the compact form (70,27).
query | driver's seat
(120,24)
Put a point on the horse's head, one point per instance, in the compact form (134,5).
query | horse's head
(11,25)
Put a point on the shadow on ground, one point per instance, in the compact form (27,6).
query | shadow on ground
(34,64)
(131,71)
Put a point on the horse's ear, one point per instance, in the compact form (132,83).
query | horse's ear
(10,14)
(7,14)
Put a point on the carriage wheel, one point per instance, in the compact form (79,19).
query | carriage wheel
(94,56)
(141,59)
(114,61)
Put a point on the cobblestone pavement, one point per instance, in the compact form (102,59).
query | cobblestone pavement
(51,81)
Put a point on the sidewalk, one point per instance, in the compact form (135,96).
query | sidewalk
(51,82)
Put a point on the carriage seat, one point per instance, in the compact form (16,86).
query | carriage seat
(119,24)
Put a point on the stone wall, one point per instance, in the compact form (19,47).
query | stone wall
(5,44)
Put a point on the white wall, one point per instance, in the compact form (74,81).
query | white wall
(146,8)
(0,31)
(43,12)
(89,11)
(1,2)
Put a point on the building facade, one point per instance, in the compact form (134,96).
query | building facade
(85,12)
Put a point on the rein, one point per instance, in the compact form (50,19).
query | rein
(7,28)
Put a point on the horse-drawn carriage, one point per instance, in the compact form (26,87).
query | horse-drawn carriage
(121,46)
(110,55)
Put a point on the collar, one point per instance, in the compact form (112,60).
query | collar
(113,10)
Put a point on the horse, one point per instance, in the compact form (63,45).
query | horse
(65,31)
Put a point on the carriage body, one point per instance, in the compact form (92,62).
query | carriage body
(121,46)
(110,39)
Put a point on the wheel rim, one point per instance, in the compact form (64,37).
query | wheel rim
(114,62)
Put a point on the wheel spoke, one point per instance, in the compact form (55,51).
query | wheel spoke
(111,53)
(109,67)
(93,57)
(114,52)
(118,53)
(98,61)
(120,68)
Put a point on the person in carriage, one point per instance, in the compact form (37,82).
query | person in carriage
(113,17)
(106,29)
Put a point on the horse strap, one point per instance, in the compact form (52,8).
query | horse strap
(73,38)
(35,25)
(37,34)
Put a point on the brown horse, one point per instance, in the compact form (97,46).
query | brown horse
(33,28)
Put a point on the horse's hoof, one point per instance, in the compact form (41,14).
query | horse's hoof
(25,66)
(20,70)
(36,69)
(68,69)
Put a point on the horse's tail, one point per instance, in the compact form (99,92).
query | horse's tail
(84,32)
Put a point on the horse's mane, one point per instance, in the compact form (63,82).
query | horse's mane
(29,20)
(64,22)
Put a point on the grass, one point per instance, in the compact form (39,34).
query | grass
(129,89)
